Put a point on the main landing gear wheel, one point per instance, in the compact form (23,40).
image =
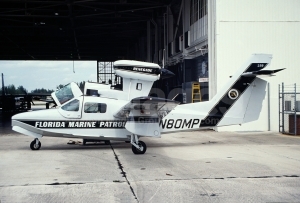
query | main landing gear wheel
(35,144)
(142,149)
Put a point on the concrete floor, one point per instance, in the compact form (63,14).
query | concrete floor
(199,166)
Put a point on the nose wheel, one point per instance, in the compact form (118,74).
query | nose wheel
(35,144)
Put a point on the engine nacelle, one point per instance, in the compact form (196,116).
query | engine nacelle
(137,70)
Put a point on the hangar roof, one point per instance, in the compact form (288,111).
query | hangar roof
(73,29)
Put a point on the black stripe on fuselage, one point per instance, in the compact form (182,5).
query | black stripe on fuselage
(221,108)
(104,124)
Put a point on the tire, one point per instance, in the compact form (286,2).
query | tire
(33,145)
(137,151)
(107,142)
(134,150)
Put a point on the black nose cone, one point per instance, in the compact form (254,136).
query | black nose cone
(164,73)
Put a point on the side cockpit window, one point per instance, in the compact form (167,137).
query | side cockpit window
(93,107)
(71,106)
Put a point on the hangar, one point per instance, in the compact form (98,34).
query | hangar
(202,41)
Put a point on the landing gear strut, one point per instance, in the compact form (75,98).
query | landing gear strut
(35,144)
(138,147)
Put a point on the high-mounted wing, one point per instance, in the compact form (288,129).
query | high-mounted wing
(163,106)
(143,114)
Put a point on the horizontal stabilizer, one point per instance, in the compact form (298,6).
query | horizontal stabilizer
(261,72)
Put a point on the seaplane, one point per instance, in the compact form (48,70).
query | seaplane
(102,112)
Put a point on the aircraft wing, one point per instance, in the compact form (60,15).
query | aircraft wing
(161,105)
(143,114)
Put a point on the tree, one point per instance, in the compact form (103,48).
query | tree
(11,89)
(21,90)
(42,90)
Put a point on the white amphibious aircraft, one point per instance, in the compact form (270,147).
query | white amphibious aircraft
(104,113)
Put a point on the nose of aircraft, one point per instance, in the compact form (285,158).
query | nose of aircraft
(21,116)
(38,115)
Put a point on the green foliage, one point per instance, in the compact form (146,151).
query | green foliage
(42,90)
(11,89)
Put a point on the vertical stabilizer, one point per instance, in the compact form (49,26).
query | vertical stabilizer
(255,101)
(231,102)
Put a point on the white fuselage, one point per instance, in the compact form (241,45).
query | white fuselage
(108,114)
(58,122)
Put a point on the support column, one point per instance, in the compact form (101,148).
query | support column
(212,48)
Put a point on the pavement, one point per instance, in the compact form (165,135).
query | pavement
(198,166)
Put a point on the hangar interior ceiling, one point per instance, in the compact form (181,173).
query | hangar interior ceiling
(74,29)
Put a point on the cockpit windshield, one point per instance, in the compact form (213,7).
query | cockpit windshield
(64,94)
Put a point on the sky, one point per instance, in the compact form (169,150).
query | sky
(46,74)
